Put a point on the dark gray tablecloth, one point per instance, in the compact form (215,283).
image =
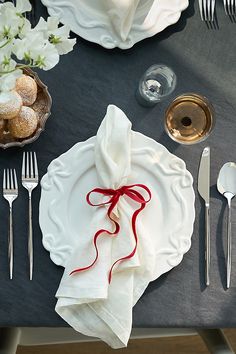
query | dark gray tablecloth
(82,85)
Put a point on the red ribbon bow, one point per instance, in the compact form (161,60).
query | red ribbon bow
(115,195)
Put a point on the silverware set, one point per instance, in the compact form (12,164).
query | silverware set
(207,9)
(226,185)
(29,179)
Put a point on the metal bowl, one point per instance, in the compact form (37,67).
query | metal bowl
(42,107)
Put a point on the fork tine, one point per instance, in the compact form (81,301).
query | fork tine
(229,7)
(27,165)
(4,179)
(204,10)
(213,4)
(31,165)
(35,166)
(11,180)
(209,10)
(233,7)
(225,7)
(8,179)
(200,8)
(15,179)
(23,166)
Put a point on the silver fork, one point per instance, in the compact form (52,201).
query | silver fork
(30,181)
(10,193)
(207,10)
(230,7)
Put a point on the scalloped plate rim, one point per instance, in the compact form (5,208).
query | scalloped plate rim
(74,149)
(107,36)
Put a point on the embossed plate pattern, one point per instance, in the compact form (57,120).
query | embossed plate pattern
(64,213)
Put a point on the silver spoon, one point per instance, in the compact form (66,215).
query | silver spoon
(226,184)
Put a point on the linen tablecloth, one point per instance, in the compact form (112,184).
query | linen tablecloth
(82,85)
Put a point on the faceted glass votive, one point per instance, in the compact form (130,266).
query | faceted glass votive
(156,84)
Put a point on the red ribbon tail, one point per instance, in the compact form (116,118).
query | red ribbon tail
(134,217)
(114,198)
(96,256)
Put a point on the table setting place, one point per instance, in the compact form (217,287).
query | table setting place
(116,204)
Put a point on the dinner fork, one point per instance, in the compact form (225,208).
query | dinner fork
(29,177)
(207,10)
(230,7)
(10,193)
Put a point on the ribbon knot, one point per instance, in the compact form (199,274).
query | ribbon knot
(115,195)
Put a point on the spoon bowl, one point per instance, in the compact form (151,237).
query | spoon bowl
(226,181)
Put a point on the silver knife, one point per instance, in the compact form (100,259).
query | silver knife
(204,191)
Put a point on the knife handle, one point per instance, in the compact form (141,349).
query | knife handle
(207,244)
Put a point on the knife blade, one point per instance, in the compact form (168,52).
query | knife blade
(204,191)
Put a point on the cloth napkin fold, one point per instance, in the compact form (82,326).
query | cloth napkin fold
(121,14)
(86,300)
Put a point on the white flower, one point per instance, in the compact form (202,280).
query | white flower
(8,81)
(56,36)
(29,47)
(11,19)
(41,26)
(10,22)
(23,6)
(5,51)
(7,64)
(36,50)
(48,57)
(40,46)
(59,38)
(25,28)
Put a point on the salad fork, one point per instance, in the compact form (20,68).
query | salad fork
(207,9)
(230,7)
(10,193)
(30,181)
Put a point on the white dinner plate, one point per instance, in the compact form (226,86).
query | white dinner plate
(64,212)
(90,20)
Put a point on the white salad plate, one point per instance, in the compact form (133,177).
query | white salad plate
(65,215)
(97,21)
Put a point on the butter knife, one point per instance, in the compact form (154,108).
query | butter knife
(204,191)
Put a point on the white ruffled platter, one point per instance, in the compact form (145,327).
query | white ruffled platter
(98,22)
(64,212)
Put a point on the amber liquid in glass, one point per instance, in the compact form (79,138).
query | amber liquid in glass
(189,119)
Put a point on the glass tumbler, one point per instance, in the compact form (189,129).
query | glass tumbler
(157,83)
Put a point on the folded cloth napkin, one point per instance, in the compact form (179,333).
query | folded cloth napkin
(121,14)
(86,300)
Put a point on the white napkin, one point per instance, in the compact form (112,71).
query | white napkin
(85,300)
(121,14)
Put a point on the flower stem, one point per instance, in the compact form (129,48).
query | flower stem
(4,44)
(18,67)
